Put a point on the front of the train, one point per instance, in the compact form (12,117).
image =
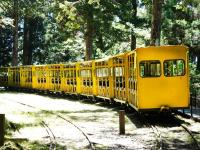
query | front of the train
(163,77)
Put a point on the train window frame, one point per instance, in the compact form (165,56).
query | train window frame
(85,73)
(184,71)
(152,61)
(119,71)
(102,72)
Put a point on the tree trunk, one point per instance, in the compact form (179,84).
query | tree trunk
(134,17)
(100,42)
(133,41)
(27,52)
(15,35)
(89,34)
(156,22)
(198,64)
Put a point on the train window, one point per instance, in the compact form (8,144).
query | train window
(150,68)
(119,71)
(174,67)
(86,73)
(102,72)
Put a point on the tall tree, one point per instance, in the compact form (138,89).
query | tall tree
(133,21)
(33,18)
(156,22)
(79,17)
(27,51)
(15,34)
(89,33)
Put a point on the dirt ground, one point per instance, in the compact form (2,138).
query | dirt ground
(33,122)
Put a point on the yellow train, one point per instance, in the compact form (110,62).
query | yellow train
(150,78)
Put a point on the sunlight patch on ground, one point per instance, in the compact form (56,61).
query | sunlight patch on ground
(99,122)
(48,103)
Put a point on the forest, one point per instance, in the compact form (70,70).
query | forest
(60,31)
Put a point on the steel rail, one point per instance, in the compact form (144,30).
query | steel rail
(79,129)
(188,131)
(45,126)
(51,136)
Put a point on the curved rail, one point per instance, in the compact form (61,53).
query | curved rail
(50,131)
(85,135)
(46,127)
(192,136)
(189,132)
(159,137)
(157,133)
(51,136)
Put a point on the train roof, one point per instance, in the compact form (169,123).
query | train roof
(162,46)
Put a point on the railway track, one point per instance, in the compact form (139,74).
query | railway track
(51,134)
(45,126)
(189,132)
(52,137)
(157,142)
(162,131)
(157,134)
(156,127)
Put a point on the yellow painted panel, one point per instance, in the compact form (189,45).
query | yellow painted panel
(155,92)
(78,88)
(111,77)
(94,79)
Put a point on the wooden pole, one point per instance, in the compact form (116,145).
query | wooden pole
(2,132)
(121,122)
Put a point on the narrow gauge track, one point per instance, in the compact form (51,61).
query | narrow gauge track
(52,137)
(49,131)
(144,122)
(188,131)
(160,138)
(43,124)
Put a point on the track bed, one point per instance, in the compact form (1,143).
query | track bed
(89,125)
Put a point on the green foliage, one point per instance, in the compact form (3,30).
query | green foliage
(5,46)
(69,50)
(180,25)
(58,28)
(194,79)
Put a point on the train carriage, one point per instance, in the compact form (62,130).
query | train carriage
(40,77)
(54,72)
(26,77)
(14,77)
(86,78)
(119,73)
(4,77)
(150,78)
(69,78)
(131,91)
(104,80)
(162,78)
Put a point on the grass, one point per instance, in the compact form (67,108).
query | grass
(11,127)
(27,145)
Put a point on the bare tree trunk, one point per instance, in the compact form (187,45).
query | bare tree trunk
(27,54)
(133,41)
(100,42)
(156,22)
(198,63)
(15,35)
(89,34)
(134,17)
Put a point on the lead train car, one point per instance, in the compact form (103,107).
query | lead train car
(162,78)
(150,78)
